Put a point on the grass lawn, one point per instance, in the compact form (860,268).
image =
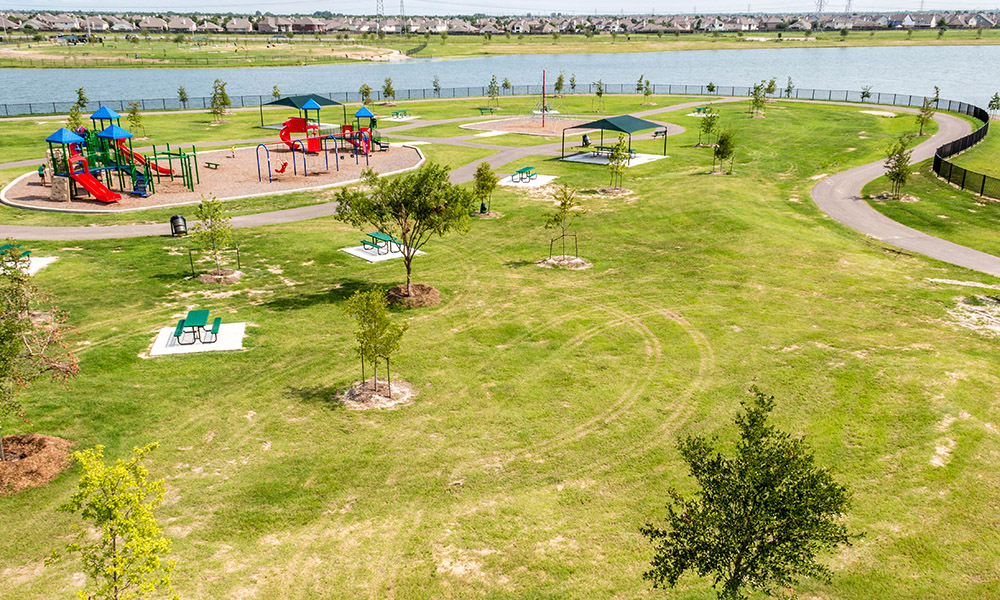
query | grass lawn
(942,210)
(166,51)
(549,401)
(984,157)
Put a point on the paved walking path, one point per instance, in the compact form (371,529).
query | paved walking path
(839,197)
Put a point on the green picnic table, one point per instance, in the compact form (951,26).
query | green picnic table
(400,113)
(524,173)
(703,110)
(607,150)
(382,241)
(196,323)
(486,110)
(7,247)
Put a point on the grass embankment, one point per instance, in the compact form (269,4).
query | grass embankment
(549,401)
(163,51)
(984,157)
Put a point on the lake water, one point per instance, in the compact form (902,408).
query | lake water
(962,73)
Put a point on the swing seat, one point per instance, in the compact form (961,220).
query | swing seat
(281,169)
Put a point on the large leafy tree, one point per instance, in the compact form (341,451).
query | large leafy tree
(760,517)
(126,559)
(377,335)
(412,208)
(32,333)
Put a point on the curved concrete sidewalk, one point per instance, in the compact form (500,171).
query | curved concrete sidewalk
(839,197)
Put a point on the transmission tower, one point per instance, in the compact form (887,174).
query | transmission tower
(820,4)
(379,16)
(402,18)
(921,5)
(847,9)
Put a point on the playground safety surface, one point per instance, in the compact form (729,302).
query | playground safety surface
(235,178)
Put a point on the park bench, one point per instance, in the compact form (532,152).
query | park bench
(486,110)
(211,165)
(179,333)
(607,150)
(371,245)
(660,133)
(524,173)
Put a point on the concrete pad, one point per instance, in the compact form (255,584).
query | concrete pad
(696,115)
(879,113)
(37,263)
(398,119)
(372,256)
(490,133)
(538,181)
(414,143)
(590,159)
(230,338)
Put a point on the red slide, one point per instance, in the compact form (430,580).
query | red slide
(138,158)
(89,182)
(286,137)
(299,125)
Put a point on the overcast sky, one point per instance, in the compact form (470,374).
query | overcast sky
(442,7)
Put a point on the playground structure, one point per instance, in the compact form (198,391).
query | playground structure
(91,160)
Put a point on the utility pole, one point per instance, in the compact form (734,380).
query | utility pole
(402,18)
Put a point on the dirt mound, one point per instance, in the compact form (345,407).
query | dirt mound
(423,295)
(223,277)
(574,263)
(31,460)
(363,396)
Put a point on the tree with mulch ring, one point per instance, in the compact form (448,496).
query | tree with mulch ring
(31,460)
(32,334)
(411,208)
(213,232)
(565,197)
(485,183)
(378,338)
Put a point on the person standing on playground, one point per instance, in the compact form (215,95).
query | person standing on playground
(41,174)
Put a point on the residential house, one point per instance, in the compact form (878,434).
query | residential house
(901,21)
(274,25)
(181,25)
(64,22)
(148,23)
(120,24)
(210,27)
(239,25)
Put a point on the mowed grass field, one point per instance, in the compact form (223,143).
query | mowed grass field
(984,157)
(549,401)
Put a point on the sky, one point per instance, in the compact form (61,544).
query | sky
(447,7)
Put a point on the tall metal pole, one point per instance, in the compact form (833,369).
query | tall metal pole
(543,98)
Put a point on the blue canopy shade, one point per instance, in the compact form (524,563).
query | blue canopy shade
(114,132)
(105,114)
(64,136)
(364,113)
(311,105)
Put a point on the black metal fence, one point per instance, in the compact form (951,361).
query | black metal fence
(984,185)
(254,100)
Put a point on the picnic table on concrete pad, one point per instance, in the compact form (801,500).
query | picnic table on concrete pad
(524,173)
(400,113)
(383,241)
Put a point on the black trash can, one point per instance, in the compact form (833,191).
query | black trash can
(178,226)
(586,139)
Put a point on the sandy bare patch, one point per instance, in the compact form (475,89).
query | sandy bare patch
(529,125)
(942,452)
(818,177)
(223,277)
(422,295)
(564,261)
(879,113)
(978,313)
(32,460)
(364,396)
(974,284)
(460,563)
(886,196)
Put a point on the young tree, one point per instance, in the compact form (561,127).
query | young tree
(412,208)
(758,99)
(647,91)
(761,515)
(843,33)
(506,85)
(275,92)
(710,87)
(182,96)
(81,98)
(388,92)
(725,148)
(437,86)
(925,115)
(789,88)
(444,37)
(599,95)
(708,124)
(134,116)
(772,86)
(485,183)
(866,92)
(366,93)
(493,91)
(937,96)
(565,197)
(897,164)
(560,83)
(126,560)
(994,104)
(618,161)
(572,83)
(220,102)
(32,334)
(75,120)
(638,85)
(213,230)
(377,335)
